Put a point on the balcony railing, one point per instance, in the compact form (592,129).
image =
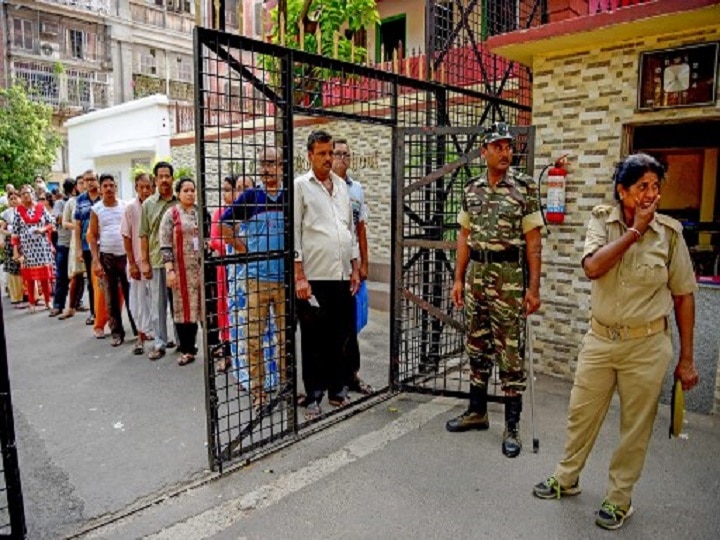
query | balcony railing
(96,6)
(218,113)
(70,88)
(602,6)
(161,18)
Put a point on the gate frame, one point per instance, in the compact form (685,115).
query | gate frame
(219,43)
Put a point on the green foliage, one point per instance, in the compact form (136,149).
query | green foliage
(333,16)
(28,141)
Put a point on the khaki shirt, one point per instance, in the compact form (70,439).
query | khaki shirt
(639,288)
(325,239)
(499,216)
(154,209)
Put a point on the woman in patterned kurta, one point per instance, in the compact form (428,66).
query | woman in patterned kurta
(32,248)
(180,249)
(12,267)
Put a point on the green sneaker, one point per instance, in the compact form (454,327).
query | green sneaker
(551,489)
(611,516)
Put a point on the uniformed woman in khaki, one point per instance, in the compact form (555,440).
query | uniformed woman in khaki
(640,269)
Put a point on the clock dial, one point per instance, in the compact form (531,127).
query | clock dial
(676,78)
(683,76)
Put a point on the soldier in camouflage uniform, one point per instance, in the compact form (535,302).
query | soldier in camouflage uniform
(500,226)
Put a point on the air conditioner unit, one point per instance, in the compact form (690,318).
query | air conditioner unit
(49,49)
(49,29)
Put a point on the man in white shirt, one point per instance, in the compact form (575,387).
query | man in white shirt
(326,276)
(109,261)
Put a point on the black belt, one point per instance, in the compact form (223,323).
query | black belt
(511,254)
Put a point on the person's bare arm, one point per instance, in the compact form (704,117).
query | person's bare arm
(685,316)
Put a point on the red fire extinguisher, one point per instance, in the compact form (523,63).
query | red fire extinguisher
(555,210)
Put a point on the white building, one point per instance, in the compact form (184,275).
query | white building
(116,139)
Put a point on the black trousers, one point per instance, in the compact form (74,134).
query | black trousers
(187,337)
(115,267)
(327,332)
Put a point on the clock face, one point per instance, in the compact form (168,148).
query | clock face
(679,77)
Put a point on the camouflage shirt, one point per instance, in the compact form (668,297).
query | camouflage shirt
(498,217)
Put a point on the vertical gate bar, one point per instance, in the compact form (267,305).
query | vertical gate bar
(286,74)
(429,37)
(396,262)
(206,295)
(8,446)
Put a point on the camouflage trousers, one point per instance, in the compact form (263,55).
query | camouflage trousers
(494,295)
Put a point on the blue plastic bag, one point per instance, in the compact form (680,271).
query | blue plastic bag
(361,307)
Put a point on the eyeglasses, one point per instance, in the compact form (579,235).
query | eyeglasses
(341,155)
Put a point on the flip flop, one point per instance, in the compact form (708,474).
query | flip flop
(138,349)
(156,354)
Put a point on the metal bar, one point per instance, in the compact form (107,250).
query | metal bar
(210,389)
(428,244)
(396,264)
(314,111)
(439,173)
(8,448)
(432,310)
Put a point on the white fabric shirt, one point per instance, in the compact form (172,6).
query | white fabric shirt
(324,233)
(109,220)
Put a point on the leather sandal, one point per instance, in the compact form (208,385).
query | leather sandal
(186,359)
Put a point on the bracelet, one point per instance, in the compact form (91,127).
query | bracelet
(638,234)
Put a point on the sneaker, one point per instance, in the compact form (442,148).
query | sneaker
(611,516)
(551,489)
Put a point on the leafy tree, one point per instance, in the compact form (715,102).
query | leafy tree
(332,16)
(28,141)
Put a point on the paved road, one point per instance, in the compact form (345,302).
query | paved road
(100,430)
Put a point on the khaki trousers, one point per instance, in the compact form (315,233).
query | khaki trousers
(635,367)
(260,296)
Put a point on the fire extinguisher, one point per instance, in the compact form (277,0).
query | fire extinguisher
(555,210)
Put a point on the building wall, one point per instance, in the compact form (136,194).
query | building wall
(414,10)
(581,102)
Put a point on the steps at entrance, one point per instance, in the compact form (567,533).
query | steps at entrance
(378,285)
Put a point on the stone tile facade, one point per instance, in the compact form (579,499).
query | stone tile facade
(582,101)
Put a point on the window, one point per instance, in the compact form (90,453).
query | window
(391,37)
(444,24)
(259,9)
(77,41)
(499,17)
(146,62)
(23,34)
(183,69)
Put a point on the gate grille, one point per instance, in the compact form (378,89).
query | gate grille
(251,96)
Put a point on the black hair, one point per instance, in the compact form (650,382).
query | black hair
(232,179)
(163,165)
(633,168)
(106,176)
(318,136)
(139,176)
(182,181)
(69,186)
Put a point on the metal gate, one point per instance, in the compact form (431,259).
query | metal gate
(12,514)
(251,96)
(431,168)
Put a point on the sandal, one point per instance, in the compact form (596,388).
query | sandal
(138,349)
(361,387)
(186,359)
(156,354)
(223,365)
(117,341)
(99,334)
(312,411)
(339,401)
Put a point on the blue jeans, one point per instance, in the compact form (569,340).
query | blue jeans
(62,282)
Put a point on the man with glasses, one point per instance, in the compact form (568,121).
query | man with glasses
(500,241)
(261,210)
(340,166)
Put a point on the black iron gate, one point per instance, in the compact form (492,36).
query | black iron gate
(253,96)
(431,168)
(12,514)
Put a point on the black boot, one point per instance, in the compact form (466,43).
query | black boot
(512,444)
(476,416)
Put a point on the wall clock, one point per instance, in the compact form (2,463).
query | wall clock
(678,77)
